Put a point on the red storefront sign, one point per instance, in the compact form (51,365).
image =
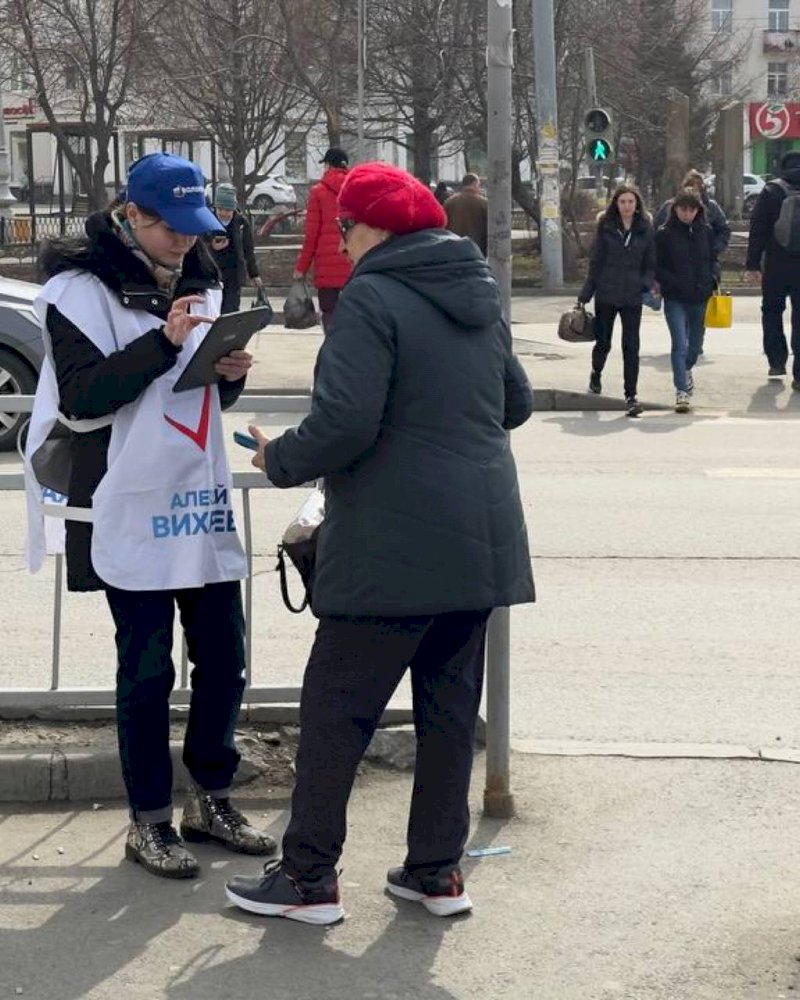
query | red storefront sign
(774,120)
(26,109)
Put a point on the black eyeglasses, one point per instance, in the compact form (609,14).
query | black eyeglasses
(345,225)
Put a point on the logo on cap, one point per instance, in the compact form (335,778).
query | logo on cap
(180,191)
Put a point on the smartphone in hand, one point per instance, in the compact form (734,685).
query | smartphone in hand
(245,440)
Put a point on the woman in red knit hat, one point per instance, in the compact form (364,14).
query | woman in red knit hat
(416,388)
(321,244)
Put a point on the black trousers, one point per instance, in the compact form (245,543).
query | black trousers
(631,318)
(776,285)
(353,669)
(328,298)
(213,622)
(231,293)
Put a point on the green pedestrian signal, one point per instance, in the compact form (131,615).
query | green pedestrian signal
(600,150)
(597,132)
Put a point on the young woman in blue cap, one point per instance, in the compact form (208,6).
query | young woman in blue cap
(149,492)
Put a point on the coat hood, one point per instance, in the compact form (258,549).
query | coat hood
(333,178)
(447,270)
(791,176)
(103,254)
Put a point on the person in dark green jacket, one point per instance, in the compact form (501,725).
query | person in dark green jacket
(415,391)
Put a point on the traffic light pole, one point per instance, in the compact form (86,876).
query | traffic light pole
(544,64)
(497,798)
(591,93)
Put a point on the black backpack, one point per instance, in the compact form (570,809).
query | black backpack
(786,230)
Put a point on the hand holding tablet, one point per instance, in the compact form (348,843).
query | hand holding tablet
(227,334)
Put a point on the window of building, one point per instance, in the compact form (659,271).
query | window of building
(721,79)
(70,76)
(18,75)
(295,163)
(778,15)
(777,79)
(721,15)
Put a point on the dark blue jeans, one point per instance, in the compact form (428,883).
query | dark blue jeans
(353,669)
(213,623)
(686,321)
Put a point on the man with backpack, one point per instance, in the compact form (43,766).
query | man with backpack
(773,257)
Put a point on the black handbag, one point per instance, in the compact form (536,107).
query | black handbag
(303,556)
(299,543)
(299,312)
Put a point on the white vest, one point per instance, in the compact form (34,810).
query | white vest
(162,513)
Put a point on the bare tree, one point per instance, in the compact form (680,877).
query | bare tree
(96,47)
(322,49)
(228,71)
(415,46)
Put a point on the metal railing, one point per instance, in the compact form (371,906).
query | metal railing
(497,798)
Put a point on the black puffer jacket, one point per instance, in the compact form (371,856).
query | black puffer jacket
(237,261)
(415,388)
(763,252)
(92,385)
(685,264)
(622,263)
(715,217)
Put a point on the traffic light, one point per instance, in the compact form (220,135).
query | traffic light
(597,125)
(599,150)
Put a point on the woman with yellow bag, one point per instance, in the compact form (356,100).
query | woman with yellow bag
(685,271)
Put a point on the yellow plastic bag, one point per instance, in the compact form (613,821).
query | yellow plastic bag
(719,311)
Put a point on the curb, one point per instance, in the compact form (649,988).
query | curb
(86,774)
(69,775)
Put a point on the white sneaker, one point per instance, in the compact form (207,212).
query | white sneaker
(683,402)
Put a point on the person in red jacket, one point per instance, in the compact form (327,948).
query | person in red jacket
(321,246)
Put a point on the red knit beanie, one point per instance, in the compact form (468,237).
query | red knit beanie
(387,197)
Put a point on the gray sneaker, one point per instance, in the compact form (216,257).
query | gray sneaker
(159,850)
(206,818)
(683,402)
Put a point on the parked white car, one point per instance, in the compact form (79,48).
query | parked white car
(752,186)
(272,191)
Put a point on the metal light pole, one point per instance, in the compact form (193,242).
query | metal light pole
(362,65)
(544,56)
(7,199)
(497,798)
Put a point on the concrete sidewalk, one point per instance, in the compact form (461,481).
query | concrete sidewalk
(643,880)
(730,377)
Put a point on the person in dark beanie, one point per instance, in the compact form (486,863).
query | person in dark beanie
(233,250)
(773,258)
(468,212)
(424,534)
(320,248)
(685,271)
(621,269)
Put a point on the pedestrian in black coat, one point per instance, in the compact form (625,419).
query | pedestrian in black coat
(621,269)
(424,534)
(777,269)
(233,250)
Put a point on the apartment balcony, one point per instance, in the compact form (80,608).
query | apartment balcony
(781,43)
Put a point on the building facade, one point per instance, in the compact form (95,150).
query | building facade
(767,78)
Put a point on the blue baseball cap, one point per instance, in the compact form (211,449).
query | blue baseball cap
(174,189)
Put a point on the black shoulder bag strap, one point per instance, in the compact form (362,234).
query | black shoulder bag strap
(281,568)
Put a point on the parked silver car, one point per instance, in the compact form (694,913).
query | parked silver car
(21,352)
